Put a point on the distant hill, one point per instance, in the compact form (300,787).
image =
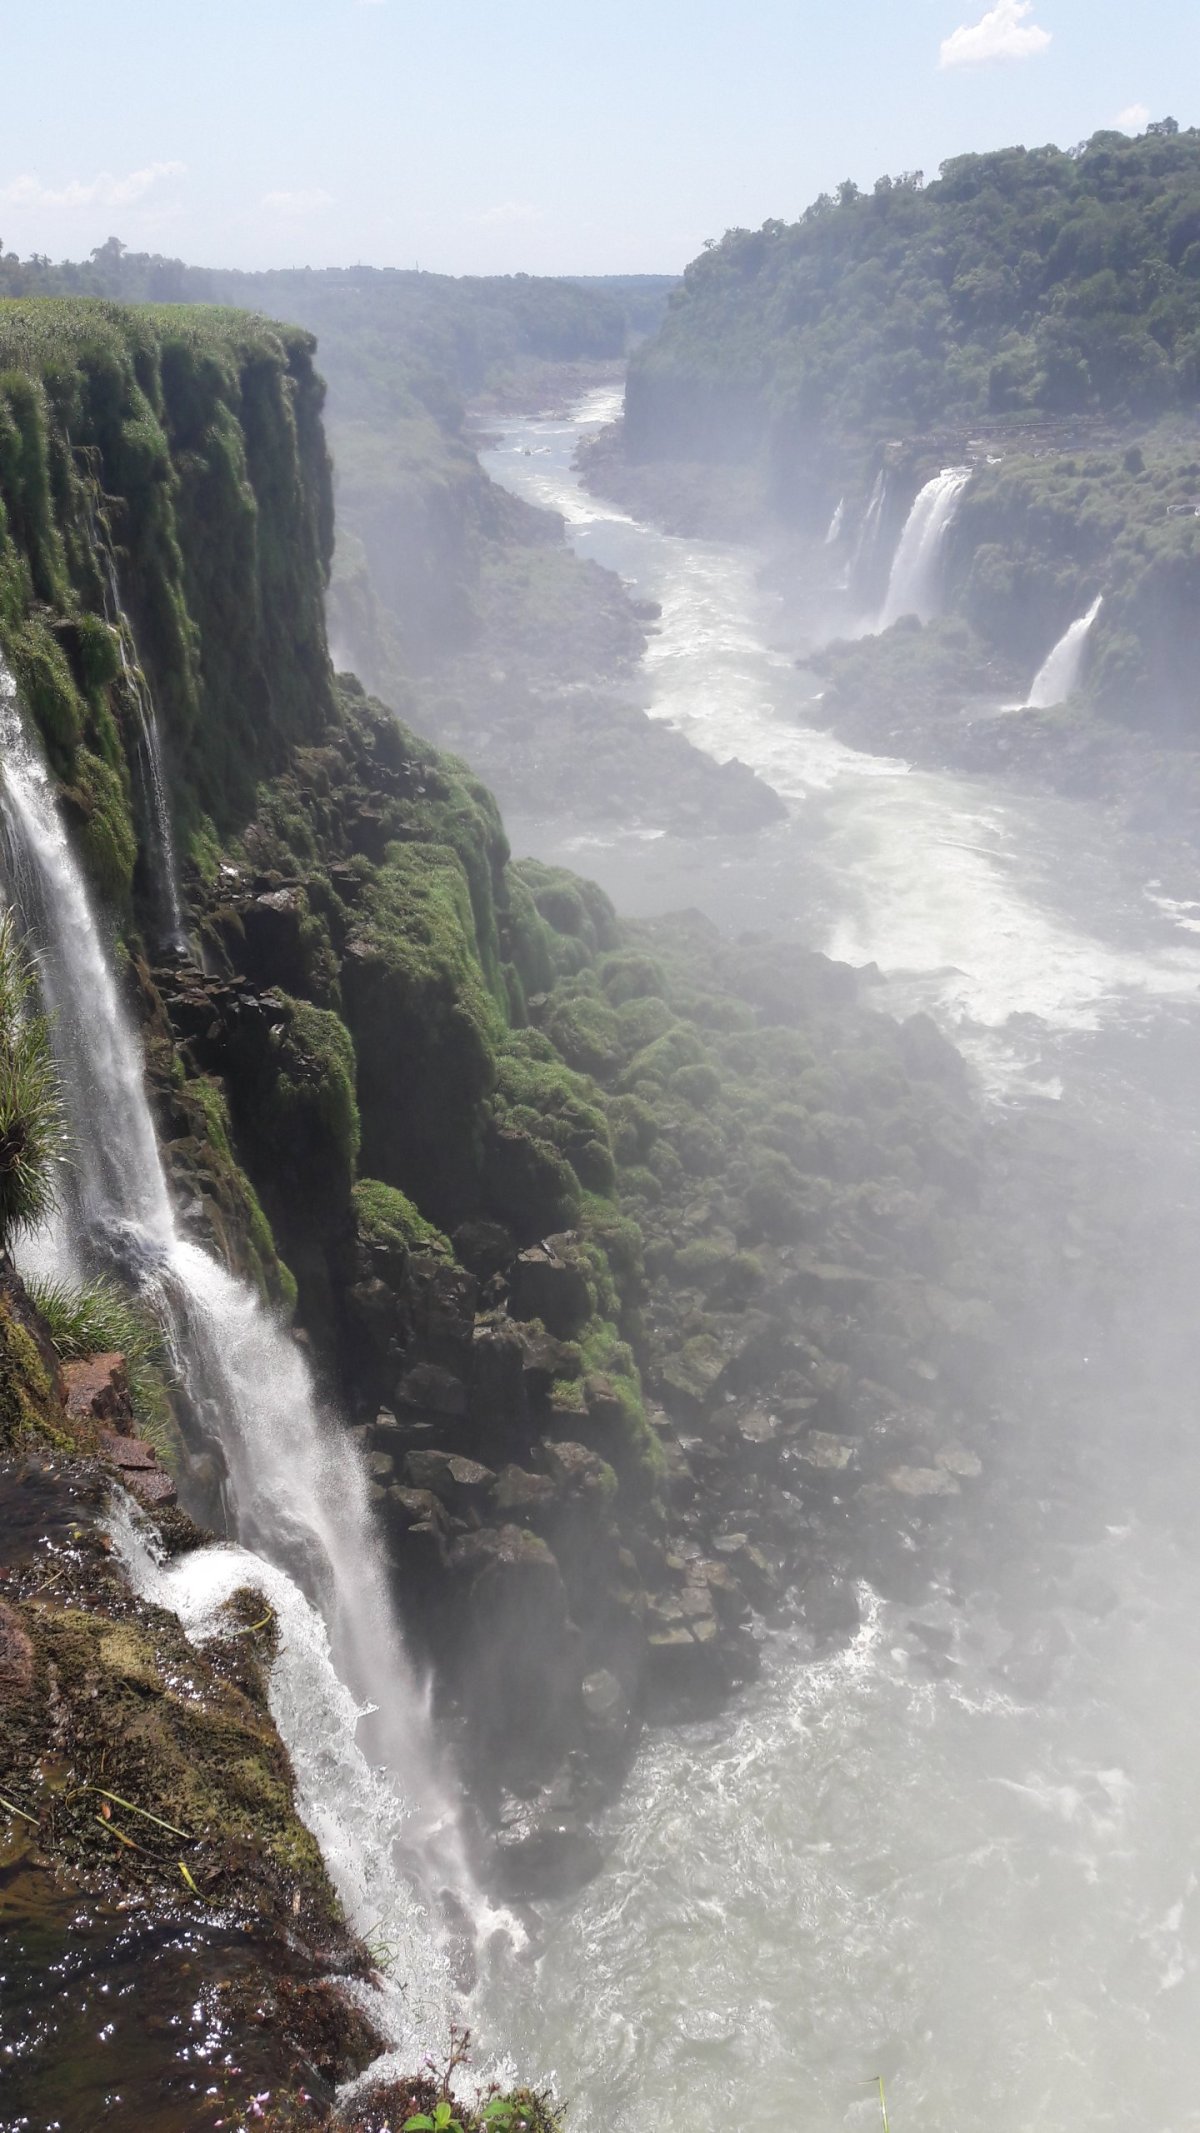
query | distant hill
(1029,280)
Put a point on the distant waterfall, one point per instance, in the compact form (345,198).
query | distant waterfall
(915,584)
(836,523)
(297,1489)
(1058,677)
(868,532)
(137,690)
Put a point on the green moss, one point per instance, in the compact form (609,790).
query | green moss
(28,1406)
(107,841)
(386,1217)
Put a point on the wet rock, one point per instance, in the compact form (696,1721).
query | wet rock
(547,1282)
(605,1704)
(137,1464)
(461,1484)
(921,1481)
(499,1397)
(578,1473)
(956,1459)
(98,1390)
(543,1850)
(823,1452)
(432,1390)
(484,1248)
(830,1607)
(522,1495)
(547,1361)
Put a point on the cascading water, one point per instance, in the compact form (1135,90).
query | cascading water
(836,523)
(297,1492)
(137,691)
(868,532)
(1058,677)
(915,584)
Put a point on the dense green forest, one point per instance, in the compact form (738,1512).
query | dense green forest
(1025,280)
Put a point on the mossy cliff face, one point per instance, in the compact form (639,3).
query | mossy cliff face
(592,1232)
(151,1849)
(186,445)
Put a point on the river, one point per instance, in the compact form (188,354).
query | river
(983,1887)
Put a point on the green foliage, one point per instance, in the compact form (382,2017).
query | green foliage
(100,1319)
(32,1123)
(1021,279)
(387,1218)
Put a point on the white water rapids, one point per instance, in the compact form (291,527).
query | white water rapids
(978,1878)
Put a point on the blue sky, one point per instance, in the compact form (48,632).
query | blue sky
(556,136)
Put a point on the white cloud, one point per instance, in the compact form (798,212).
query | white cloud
(511,211)
(1132,118)
(104,190)
(304,202)
(1005,32)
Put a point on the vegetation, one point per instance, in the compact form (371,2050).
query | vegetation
(32,1125)
(1019,281)
(101,1319)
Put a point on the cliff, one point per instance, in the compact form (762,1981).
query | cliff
(644,1271)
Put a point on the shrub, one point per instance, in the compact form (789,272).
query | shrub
(32,1123)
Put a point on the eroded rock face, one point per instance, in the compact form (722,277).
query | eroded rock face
(98,1390)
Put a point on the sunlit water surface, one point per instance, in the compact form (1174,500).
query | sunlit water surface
(864,1867)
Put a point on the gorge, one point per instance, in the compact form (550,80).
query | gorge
(684,1341)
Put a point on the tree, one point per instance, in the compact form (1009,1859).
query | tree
(32,1121)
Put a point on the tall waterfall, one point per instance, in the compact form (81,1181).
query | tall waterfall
(1058,676)
(915,584)
(297,1489)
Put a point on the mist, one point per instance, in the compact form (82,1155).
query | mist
(602,885)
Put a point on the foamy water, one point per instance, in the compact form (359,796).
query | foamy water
(954,890)
(961,1854)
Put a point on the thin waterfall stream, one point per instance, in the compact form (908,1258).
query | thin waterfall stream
(150,759)
(352,1713)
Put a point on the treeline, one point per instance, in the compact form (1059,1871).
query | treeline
(387,335)
(1025,281)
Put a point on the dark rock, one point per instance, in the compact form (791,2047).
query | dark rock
(521,1494)
(461,1484)
(543,1851)
(432,1390)
(499,1399)
(549,1283)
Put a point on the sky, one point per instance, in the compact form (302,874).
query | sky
(546,136)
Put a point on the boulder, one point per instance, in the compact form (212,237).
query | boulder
(97,1389)
(498,1397)
(521,1495)
(461,1484)
(431,1390)
(548,1282)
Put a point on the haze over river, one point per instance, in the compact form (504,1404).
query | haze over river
(979,1880)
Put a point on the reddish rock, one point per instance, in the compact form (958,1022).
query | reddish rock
(97,1390)
(137,1463)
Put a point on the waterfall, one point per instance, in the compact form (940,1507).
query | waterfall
(297,1490)
(137,690)
(868,532)
(1058,676)
(915,584)
(836,523)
